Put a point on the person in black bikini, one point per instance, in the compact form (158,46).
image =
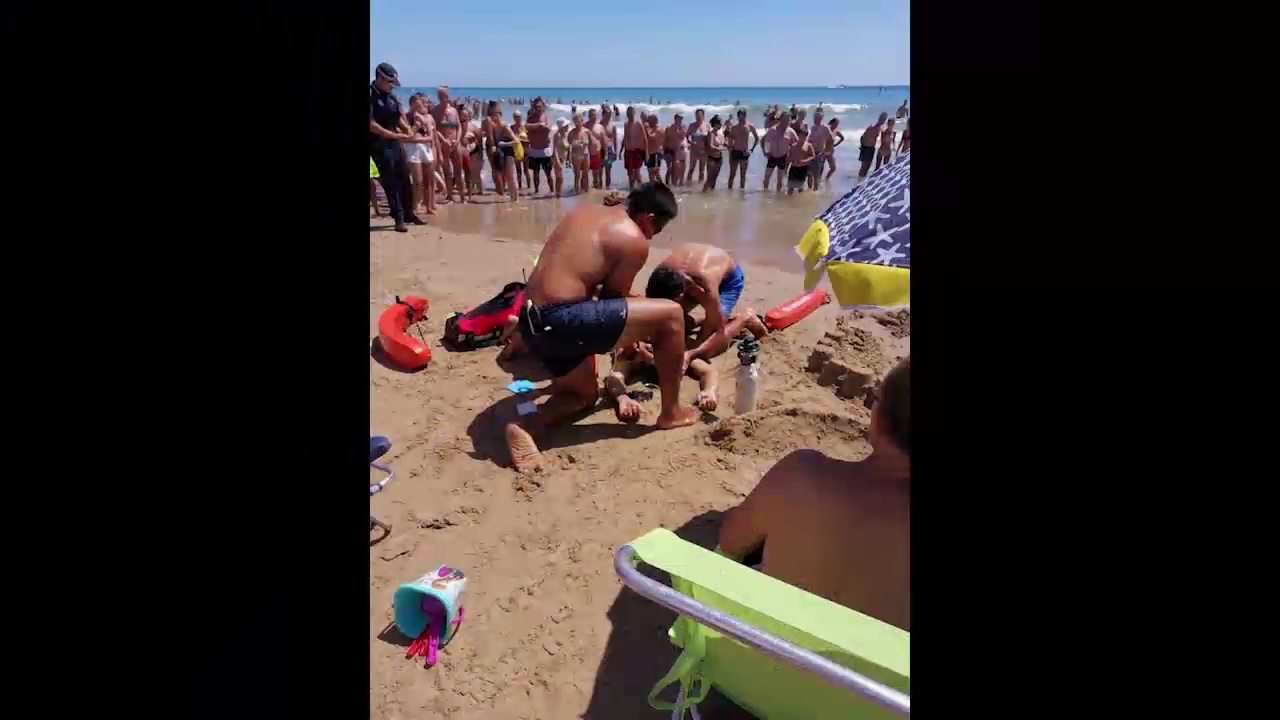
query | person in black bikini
(579,304)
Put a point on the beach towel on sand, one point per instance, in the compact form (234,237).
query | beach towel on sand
(863,241)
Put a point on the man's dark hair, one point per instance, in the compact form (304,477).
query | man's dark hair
(894,405)
(653,197)
(666,283)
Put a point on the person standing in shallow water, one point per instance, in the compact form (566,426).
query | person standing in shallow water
(698,147)
(487,127)
(447,154)
(675,151)
(839,138)
(820,138)
(597,251)
(472,152)
(739,153)
(715,154)
(886,144)
(778,143)
(867,151)
(634,148)
(540,153)
(653,134)
(560,158)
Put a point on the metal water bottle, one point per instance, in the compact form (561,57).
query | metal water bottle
(747,385)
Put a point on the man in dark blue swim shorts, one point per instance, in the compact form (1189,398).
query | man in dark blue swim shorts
(579,304)
(696,274)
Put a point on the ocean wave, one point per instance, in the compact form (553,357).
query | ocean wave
(834,107)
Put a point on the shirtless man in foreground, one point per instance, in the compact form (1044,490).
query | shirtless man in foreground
(840,530)
(540,153)
(597,251)
(450,159)
(739,153)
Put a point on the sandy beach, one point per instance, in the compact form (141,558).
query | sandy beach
(549,630)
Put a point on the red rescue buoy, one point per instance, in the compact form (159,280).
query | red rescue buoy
(406,350)
(796,309)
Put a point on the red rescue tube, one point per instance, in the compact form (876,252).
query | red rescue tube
(796,309)
(406,350)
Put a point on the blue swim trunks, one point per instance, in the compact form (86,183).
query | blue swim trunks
(731,288)
(564,335)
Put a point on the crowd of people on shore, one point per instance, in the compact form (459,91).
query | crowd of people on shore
(433,149)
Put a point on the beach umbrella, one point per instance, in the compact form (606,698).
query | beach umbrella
(863,241)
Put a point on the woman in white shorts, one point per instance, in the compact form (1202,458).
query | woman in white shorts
(421,155)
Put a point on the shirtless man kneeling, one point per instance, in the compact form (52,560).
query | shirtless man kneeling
(696,274)
(597,251)
(839,529)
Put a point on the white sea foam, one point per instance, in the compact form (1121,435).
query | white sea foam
(834,107)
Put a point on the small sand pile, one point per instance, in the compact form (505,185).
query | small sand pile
(855,355)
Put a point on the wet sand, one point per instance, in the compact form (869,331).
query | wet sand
(754,225)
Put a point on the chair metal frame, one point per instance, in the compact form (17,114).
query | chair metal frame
(624,563)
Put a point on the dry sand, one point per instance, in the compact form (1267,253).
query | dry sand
(550,632)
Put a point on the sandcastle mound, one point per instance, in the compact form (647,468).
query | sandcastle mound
(854,356)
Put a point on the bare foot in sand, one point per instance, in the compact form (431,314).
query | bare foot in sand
(628,410)
(680,417)
(524,452)
(706,401)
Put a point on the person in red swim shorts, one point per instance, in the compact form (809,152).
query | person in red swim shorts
(634,147)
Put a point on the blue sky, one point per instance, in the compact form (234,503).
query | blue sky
(514,43)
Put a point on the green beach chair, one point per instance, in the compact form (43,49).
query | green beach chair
(773,649)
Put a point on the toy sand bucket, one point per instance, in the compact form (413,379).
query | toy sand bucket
(429,609)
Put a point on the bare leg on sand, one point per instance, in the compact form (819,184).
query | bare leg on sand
(708,384)
(565,397)
(661,320)
(625,408)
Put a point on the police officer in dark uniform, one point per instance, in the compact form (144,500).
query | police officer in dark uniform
(385,138)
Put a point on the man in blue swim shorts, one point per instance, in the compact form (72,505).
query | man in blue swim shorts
(579,304)
(696,274)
